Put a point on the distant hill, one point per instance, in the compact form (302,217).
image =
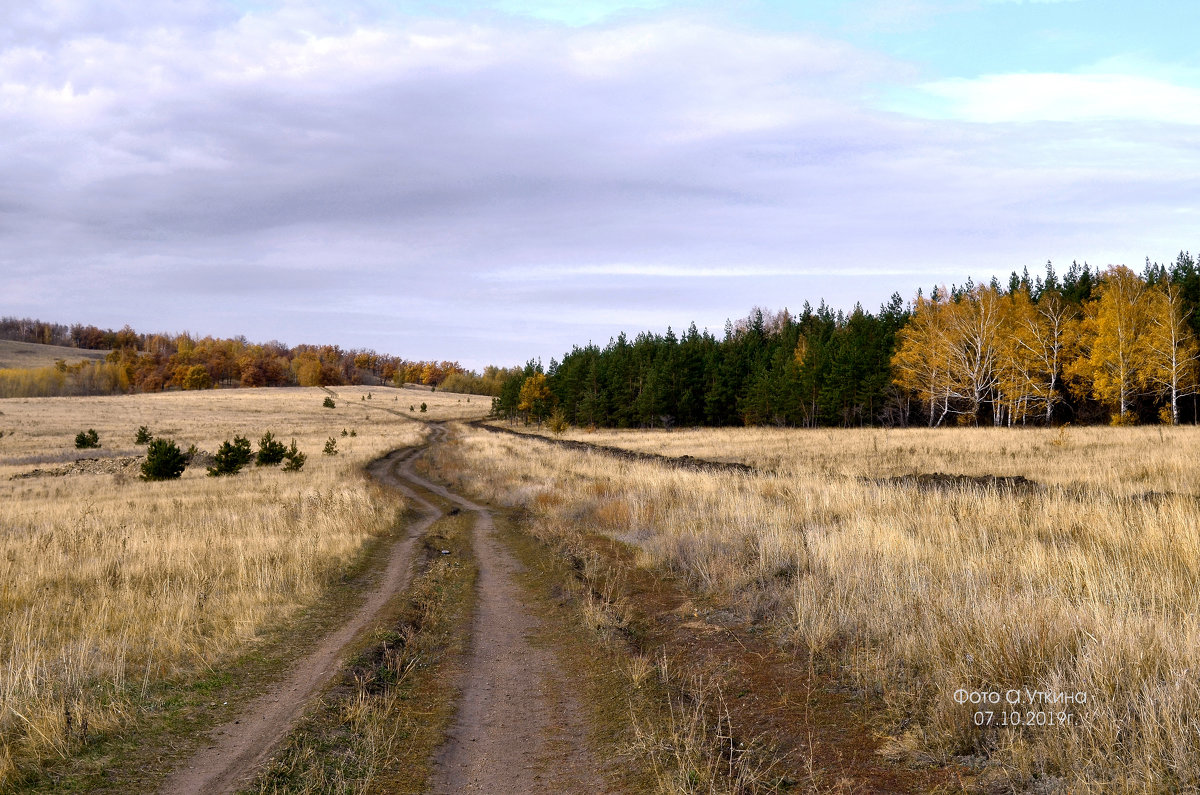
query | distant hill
(31,354)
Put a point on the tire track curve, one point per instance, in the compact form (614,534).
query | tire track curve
(240,747)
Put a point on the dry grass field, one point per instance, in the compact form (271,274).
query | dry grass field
(1086,581)
(109,584)
(20,355)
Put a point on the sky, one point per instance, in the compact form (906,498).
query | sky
(491,181)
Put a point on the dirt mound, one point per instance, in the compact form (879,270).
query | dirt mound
(682,462)
(85,466)
(939,481)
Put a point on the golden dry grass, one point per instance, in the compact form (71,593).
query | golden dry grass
(22,355)
(109,584)
(1090,585)
(439,406)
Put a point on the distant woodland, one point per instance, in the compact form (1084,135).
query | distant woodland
(154,362)
(1089,346)
(1086,347)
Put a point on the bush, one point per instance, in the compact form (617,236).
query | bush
(345,432)
(87,439)
(270,452)
(330,446)
(164,460)
(329,404)
(143,436)
(423,407)
(293,459)
(558,422)
(353,433)
(231,457)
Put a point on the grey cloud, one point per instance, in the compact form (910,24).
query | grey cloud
(366,184)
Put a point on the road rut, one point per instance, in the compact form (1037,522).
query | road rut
(240,747)
(519,727)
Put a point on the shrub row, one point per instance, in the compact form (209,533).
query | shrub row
(165,461)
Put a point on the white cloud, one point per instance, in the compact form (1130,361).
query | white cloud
(1065,97)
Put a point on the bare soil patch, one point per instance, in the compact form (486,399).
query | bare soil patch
(86,466)
(519,728)
(938,481)
(821,737)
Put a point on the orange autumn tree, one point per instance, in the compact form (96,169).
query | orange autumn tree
(1035,344)
(1111,347)
(535,398)
(920,362)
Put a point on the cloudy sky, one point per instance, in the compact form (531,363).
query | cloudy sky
(490,181)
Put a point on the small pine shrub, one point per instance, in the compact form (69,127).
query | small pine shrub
(345,432)
(423,407)
(270,451)
(87,439)
(558,422)
(411,407)
(353,432)
(331,447)
(230,458)
(293,459)
(143,436)
(329,404)
(164,460)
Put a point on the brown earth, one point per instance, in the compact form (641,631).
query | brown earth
(86,466)
(938,481)
(519,727)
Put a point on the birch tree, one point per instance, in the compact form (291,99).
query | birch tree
(1168,347)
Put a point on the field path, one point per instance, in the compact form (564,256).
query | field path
(519,728)
(240,747)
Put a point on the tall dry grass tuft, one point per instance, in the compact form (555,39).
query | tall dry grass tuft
(110,585)
(912,592)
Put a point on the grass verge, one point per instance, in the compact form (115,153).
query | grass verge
(668,725)
(688,699)
(167,719)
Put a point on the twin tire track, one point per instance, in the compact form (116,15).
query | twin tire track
(517,729)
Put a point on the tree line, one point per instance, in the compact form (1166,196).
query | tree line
(1090,346)
(139,362)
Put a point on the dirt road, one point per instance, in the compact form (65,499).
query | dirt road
(239,748)
(518,729)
